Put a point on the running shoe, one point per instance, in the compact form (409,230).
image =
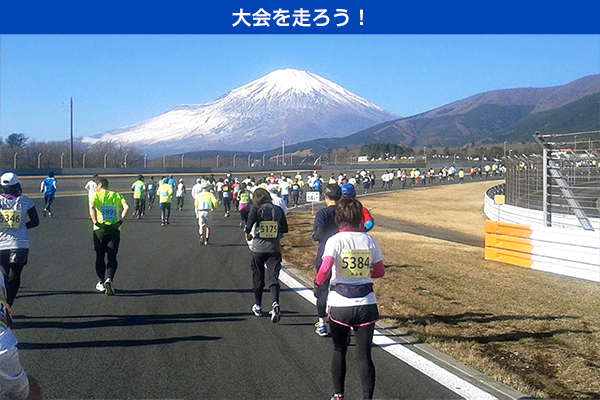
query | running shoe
(257,310)
(108,287)
(206,242)
(49,214)
(275,313)
(162,224)
(44,212)
(100,286)
(321,329)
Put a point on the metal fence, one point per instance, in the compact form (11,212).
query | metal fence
(563,179)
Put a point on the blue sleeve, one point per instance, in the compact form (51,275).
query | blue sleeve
(369,225)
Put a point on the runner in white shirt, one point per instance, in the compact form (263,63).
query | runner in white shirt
(350,259)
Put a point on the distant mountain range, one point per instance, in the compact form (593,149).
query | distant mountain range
(313,113)
(511,115)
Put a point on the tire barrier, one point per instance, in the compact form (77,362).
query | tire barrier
(514,235)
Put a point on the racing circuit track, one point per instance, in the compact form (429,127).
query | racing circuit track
(180,325)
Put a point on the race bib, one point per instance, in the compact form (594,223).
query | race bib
(203,205)
(226,194)
(268,229)
(10,219)
(356,263)
(109,213)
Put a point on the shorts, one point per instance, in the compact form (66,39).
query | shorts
(14,384)
(205,219)
(14,256)
(354,315)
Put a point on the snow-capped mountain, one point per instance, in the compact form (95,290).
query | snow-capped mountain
(287,104)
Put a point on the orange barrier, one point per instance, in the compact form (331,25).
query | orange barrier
(508,243)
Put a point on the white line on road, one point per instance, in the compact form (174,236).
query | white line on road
(398,350)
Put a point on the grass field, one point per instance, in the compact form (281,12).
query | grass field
(536,332)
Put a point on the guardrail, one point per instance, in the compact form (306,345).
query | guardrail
(517,236)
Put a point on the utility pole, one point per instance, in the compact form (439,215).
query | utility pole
(71,165)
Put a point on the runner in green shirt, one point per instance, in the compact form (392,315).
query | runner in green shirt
(139,189)
(108,209)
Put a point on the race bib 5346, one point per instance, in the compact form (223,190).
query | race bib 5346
(10,219)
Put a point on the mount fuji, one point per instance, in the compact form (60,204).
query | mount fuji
(287,104)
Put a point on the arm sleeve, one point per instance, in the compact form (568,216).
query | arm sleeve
(368,221)
(378,270)
(324,270)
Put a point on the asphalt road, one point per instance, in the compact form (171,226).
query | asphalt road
(180,326)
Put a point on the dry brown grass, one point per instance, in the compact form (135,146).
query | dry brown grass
(536,332)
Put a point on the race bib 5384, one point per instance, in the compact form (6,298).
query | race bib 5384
(355,263)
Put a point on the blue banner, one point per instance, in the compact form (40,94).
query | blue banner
(299,17)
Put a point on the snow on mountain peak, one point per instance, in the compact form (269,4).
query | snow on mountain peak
(285,104)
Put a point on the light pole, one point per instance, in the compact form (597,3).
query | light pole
(233,161)
(283,152)
(218,155)
(183,155)
(83,161)
(505,149)
(145,160)
(425,154)
(335,159)
(105,156)
(125,162)
(249,156)
(164,161)
(39,160)
(263,164)
(15,160)
(62,159)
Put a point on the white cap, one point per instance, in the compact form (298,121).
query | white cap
(9,179)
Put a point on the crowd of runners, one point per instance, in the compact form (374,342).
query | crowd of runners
(347,257)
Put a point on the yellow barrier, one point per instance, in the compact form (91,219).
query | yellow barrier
(508,243)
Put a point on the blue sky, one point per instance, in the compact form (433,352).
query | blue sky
(118,80)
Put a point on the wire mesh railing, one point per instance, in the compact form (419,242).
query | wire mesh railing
(563,179)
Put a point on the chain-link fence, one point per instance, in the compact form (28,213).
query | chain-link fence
(563,179)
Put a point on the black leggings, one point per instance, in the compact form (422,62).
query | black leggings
(363,340)
(11,263)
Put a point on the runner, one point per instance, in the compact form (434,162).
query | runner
(48,187)
(180,194)
(152,187)
(14,384)
(204,204)
(284,188)
(324,227)
(226,193)
(165,194)
(196,189)
(367,221)
(108,209)
(296,192)
(347,261)
(245,199)
(266,223)
(14,236)
(139,197)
